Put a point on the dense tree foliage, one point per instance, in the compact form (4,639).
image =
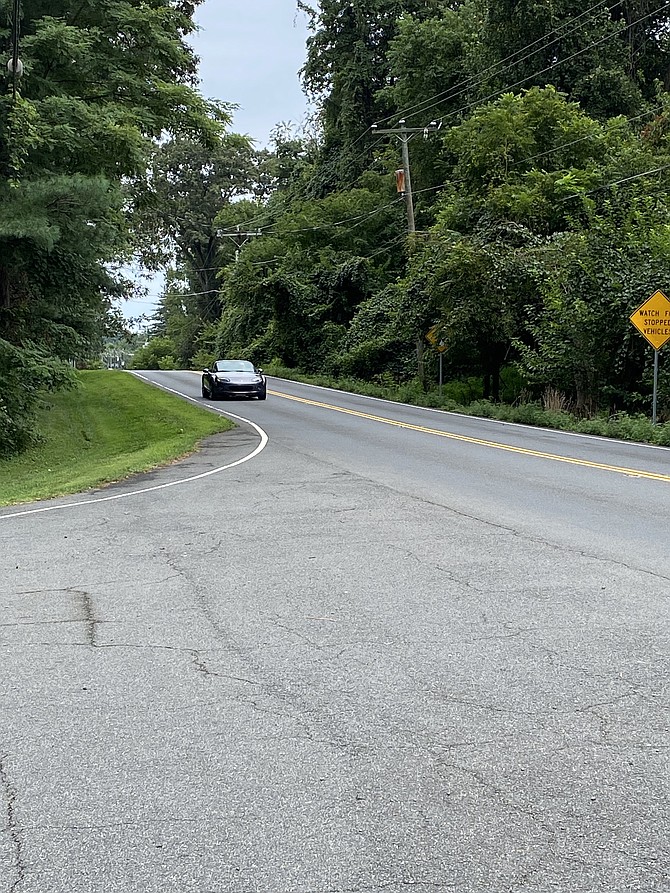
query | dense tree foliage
(101,81)
(346,71)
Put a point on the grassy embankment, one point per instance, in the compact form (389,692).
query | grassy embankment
(462,397)
(109,427)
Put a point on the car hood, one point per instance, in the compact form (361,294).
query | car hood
(238,377)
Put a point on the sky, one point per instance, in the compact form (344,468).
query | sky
(250,54)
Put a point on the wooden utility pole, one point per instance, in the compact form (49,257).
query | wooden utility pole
(405,134)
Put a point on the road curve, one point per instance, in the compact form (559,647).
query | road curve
(349,646)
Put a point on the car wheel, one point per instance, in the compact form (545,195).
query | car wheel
(262,396)
(204,392)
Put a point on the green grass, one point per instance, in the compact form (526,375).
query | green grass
(111,426)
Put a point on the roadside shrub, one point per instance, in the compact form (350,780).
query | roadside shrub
(463,392)
(597,426)
(26,374)
(150,356)
(634,428)
(202,359)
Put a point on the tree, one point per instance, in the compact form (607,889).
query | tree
(345,71)
(579,339)
(101,81)
(177,207)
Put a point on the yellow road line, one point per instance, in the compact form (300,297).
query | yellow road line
(492,444)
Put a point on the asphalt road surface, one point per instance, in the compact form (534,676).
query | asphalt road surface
(349,647)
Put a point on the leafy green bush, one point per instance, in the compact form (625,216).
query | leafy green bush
(635,428)
(663,434)
(202,359)
(158,350)
(26,373)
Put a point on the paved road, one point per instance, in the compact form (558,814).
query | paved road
(394,649)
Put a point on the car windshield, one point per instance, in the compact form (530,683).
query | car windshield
(233,366)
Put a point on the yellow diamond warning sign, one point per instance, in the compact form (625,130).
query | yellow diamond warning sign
(652,320)
(433,335)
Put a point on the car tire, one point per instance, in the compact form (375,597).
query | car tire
(204,392)
(262,396)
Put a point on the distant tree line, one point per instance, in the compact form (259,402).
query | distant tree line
(541,202)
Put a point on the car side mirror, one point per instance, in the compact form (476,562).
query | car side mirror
(260,371)
(205,369)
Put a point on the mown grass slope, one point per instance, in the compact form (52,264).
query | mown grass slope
(110,426)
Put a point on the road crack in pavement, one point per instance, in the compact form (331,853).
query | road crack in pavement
(12,827)
(201,667)
(21,623)
(427,562)
(496,525)
(97,584)
(85,603)
(390,885)
(501,796)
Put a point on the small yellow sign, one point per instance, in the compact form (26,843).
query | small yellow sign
(433,336)
(652,320)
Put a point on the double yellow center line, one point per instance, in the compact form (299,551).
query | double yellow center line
(491,444)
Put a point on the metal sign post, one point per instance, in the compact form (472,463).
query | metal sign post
(433,337)
(655,399)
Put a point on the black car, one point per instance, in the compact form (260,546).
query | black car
(233,378)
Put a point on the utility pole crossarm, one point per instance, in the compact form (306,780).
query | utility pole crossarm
(395,131)
(404,134)
(239,238)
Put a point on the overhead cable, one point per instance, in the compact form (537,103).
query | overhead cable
(480,78)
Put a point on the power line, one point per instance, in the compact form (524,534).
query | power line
(356,221)
(576,194)
(479,78)
(189,294)
(615,123)
(271,228)
(425,105)
(268,228)
(556,64)
(655,170)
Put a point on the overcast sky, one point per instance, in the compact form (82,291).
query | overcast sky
(250,53)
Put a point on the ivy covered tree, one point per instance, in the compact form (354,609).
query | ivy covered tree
(346,69)
(537,254)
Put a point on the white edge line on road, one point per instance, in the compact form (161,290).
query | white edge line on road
(71,505)
(462,415)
